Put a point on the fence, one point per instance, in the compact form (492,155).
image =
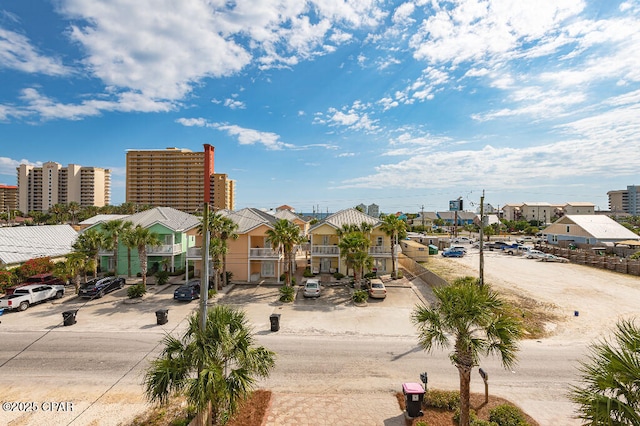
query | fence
(583,257)
(420,271)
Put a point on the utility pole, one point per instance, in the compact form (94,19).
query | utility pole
(481,280)
(204,284)
(422,216)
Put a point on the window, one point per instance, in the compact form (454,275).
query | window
(568,229)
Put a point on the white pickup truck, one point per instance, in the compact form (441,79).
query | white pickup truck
(27,295)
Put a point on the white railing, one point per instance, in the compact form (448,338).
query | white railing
(328,250)
(263,253)
(165,249)
(194,252)
(379,250)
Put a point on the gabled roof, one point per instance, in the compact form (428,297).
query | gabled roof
(580,204)
(249,218)
(176,220)
(102,218)
(537,204)
(349,216)
(600,227)
(21,243)
(462,215)
(427,215)
(289,215)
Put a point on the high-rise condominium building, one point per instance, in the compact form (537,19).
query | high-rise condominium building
(8,198)
(625,200)
(39,188)
(178,178)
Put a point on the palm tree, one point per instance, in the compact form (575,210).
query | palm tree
(284,236)
(89,243)
(73,208)
(73,266)
(217,365)
(58,212)
(113,229)
(143,237)
(479,322)
(354,249)
(129,243)
(395,229)
(610,390)
(221,229)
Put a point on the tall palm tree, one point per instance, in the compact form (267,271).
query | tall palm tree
(479,322)
(221,229)
(219,364)
(610,390)
(113,229)
(128,241)
(283,237)
(395,229)
(73,208)
(73,266)
(89,243)
(354,249)
(143,237)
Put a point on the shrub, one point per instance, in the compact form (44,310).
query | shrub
(229,276)
(360,296)
(421,423)
(307,273)
(287,294)
(162,277)
(212,292)
(507,415)
(398,274)
(338,275)
(448,400)
(473,419)
(137,290)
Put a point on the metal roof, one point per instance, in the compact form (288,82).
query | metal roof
(173,219)
(249,218)
(21,243)
(347,217)
(599,226)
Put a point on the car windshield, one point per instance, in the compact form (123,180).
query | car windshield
(376,285)
(312,285)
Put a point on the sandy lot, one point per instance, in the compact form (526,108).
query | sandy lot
(599,297)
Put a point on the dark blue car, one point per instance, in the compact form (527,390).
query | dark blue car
(188,291)
(97,288)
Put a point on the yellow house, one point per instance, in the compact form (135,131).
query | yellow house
(324,238)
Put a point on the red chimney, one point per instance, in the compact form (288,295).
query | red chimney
(208,171)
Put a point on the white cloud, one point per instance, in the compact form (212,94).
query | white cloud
(251,136)
(354,117)
(16,52)
(234,104)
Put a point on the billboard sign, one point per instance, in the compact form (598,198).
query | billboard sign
(455,205)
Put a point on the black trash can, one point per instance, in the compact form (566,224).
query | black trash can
(69,317)
(413,396)
(275,322)
(162,316)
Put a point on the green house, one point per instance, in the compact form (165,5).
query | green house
(175,229)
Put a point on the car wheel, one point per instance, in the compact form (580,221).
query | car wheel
(101,294)
(59,294)
(23,306)
(122,284)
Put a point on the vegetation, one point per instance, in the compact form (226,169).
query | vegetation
(113,229)
(479,322)
(307,273)
(446,400)
(89,244)
(507,415)
(162,277)
(609,393)
(283,237)
(396,229)
(287,293)
(354,249)
(143,237)
(360,296)
(136,291)
(221,229)
(215,368)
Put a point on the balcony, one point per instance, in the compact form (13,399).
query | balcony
(263,253)
(325,250)
(164,249)
(380,250)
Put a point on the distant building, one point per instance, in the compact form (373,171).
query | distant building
(40,188)
(545,212)
(588,229)
(21,243)
(177,178)
(8,198)
(625,200)
(373,210)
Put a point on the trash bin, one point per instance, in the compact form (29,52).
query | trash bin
(69,317)
(162,316)
(413,396)
(275,322)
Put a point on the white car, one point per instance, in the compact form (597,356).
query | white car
(554,258)
(534,254)
(311,288)
(377,290)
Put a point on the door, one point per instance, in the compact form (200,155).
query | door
(268,269)
(325,264)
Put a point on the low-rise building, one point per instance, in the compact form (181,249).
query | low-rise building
(588,229)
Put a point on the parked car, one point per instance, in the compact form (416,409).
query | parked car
(459,248)
(377,290)
(311,288)
(461,240)
(27,295)
(526,239)
(553,258)
(534,254)
(516,249)
(188,291)
(97,288)
(453,253)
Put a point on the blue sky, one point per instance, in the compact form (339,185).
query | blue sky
(331,103)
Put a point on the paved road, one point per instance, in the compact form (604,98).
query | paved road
(327,348)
